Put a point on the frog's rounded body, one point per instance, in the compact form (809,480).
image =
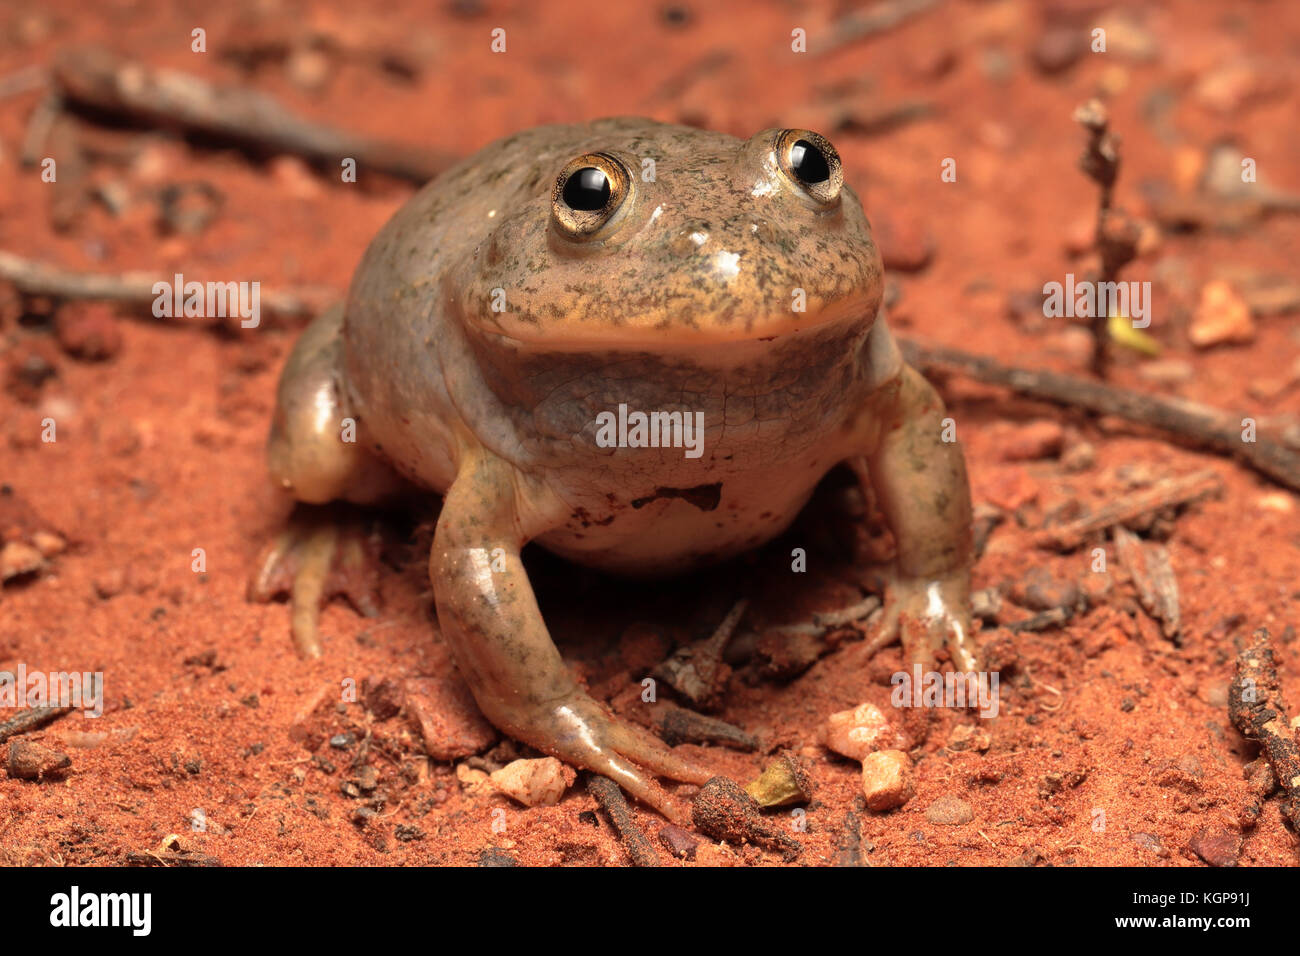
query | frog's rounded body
(519,348)
(780,392)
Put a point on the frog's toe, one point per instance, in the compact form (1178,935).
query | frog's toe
(652,753)
(640,784)
(325,551)
(926,626)
(927,615)
(579,731)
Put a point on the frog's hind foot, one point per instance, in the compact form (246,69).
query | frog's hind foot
(325,551)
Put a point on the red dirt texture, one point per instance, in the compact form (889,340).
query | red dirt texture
(143,520)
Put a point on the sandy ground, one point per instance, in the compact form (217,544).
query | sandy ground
(159,445)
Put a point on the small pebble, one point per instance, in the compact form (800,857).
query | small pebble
(714,855)
(887,779)
(1009,487)
(1058,49)
(382,698)
(1171,371)
(1149,841)
(679,842)
(534,783)
(110,584)
(1040,590)
(48,543)
(1222,317)
(1189,764)
(88,331)
(1080,456)
(366,779)
(471,780)
(906,245)
(29,760)
(1032,441)
(857,732)
(1216,845)
(449,720)
(950,811)
(295,178)
(17,558)
(969,737)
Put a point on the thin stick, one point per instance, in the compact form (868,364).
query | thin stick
(1167,493)
(135,288)
(879,18)
(27,78)
(1258,710)
(29,719)
(694,670)
(611,800)
(1153,577)
(680,725)
(99,80)
(1201,425)
(1116,236)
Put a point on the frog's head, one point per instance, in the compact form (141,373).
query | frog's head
(650,237)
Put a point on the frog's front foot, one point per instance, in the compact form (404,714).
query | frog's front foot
(325,551)
(928,614)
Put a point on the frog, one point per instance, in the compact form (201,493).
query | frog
(642,346)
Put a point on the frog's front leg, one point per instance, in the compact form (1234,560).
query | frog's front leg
(489,616)
(920,483)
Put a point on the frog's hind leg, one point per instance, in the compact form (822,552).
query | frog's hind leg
(315,455)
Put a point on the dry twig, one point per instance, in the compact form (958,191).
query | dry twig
(1197,424)
(611,800)
(99,80)
(1153,577)
(135,288)
(878,18)
(1116,234)
(1166,493)
(1258,710)
(29,719)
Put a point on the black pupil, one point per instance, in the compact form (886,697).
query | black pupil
(808,163)
(587,190)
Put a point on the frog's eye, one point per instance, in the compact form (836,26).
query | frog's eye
(588,194)
(810,162)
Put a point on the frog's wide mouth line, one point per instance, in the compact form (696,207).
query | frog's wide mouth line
(568,335)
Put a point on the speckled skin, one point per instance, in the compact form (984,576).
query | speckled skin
(685,303)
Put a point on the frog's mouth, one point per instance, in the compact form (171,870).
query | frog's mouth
(657,331)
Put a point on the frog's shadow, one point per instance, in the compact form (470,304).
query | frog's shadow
(593,616)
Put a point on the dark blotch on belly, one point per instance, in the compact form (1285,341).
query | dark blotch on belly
(704,497)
